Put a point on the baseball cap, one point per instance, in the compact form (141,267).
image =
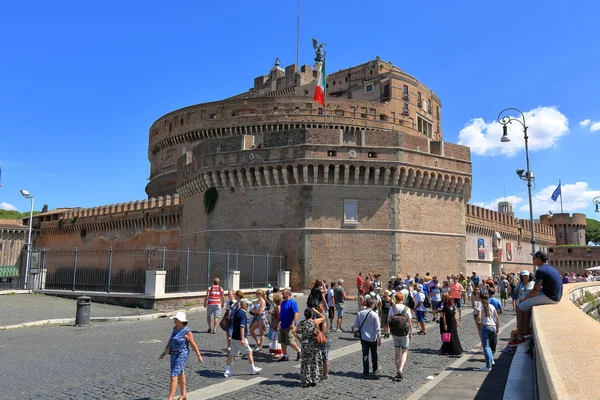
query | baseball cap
(525,273)
(541,255)
(245,301)
(419,287)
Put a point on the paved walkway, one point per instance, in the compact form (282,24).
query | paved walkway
(118,360)
(20,308)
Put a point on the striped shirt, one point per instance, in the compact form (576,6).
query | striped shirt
(214,295)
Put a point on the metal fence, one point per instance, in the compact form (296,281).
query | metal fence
(124,271)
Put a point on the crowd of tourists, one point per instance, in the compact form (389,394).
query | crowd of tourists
(398,308)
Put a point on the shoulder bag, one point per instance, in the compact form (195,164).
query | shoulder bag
(318,337)
(357,332)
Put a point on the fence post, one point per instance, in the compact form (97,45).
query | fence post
(227,273)
(74,268)
(208,270)
(164,253)
(267,277)
(252,279)
(110,255)
(43,268)
(187,268)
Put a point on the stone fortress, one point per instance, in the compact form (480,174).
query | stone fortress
(366,184)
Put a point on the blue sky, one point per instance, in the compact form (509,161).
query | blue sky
(83,81)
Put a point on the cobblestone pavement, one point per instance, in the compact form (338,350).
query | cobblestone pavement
(20,308)
(119,361)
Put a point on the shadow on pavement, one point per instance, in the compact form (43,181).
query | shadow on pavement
(493,386)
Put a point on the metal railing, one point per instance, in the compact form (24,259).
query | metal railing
(124,271)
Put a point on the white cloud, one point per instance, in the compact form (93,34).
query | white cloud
(576,198)
(585,123)
(493,205)
(545,127)
(595,127)
(7,206)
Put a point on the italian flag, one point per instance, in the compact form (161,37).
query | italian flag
(319,96)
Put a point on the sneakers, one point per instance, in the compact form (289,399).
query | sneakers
(256,348)
(255,370)
(493,362)
(485,369)
(298,356)
(517,342)
(284,358)
(338,330)
(228,373)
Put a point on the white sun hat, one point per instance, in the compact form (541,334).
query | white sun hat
(180,316)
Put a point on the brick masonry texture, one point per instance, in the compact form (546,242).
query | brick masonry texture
(283,171)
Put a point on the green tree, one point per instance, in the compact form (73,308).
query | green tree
(592,231)
(13,214)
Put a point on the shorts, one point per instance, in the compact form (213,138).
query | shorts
(401,341)
(214,310)
(384,318)
(503,295)
(331,312)
(340,309)
(286,336)
(420,316)
(458,303)
(324,349)
(435,305)
(237,347)
(538,300)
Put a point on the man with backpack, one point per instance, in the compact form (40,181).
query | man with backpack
(400,322)
(376,298)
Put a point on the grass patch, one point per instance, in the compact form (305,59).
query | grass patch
(191,304)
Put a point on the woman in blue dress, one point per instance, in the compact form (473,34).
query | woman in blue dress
(179,349)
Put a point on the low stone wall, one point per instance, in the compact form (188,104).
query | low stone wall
(586,304)
(563,357)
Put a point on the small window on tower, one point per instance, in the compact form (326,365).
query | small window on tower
(350,212)
(331,153)
(369,88)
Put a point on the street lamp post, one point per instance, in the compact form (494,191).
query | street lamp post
(527,176)
(26,194)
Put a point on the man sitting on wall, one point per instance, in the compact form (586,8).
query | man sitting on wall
(547,290)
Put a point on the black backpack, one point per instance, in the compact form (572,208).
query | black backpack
(313,299)
(399,325)
(411,301)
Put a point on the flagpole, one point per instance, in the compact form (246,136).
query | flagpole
(325,91)
(561,207)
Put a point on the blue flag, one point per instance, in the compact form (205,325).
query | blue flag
(556,193)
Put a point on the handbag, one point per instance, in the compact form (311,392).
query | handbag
(446,337)
(318,337)
(357,332)
(225,323)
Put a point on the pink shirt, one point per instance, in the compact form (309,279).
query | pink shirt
(455,290)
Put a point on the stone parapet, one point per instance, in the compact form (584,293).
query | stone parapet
(483,221)
(162,213)
(560,365)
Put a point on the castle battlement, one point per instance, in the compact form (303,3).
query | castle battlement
(324,156)
(486,221)
(147,204)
